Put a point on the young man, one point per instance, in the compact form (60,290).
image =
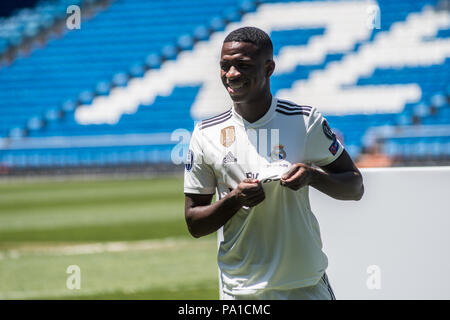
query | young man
(269,240)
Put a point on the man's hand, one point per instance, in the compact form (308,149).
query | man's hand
(298,176)
(340,179)
(249,192)
(204,217)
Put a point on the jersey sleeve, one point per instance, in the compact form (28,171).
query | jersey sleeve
(199,176)
(322,145)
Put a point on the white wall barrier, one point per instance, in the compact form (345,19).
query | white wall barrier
(395,242)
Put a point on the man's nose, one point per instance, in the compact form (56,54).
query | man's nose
(233,73)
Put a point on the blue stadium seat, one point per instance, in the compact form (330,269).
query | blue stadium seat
(39,93)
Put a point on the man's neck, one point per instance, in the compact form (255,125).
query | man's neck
(254,110)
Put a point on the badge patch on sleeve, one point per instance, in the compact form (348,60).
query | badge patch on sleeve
(334,147)
(189,160)
(327,130)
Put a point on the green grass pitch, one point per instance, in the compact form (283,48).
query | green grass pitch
(127,236)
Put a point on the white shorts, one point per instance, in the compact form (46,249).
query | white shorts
(321,291)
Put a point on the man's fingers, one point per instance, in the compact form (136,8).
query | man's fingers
(289,174)
(256,200)
(296,181)
(297,175)
(251,196)
(254,195)
(296,186)
(253,191)
(249,180)
(252,185)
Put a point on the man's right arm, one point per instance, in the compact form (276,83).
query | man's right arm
(203,218)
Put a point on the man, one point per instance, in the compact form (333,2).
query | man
(269,240)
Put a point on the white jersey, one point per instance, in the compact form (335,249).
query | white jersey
(276,244)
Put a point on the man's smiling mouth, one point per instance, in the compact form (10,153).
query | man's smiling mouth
(235,87)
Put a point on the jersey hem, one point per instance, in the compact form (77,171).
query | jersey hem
(294,285)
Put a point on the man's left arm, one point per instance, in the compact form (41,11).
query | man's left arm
(340,179)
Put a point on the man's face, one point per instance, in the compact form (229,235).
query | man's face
(245,70)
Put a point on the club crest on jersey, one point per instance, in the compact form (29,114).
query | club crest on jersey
(327,130)
(227,136)
(189,160)
(278,153)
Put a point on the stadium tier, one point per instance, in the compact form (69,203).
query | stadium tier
(114,91)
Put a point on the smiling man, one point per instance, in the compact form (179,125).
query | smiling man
(269,240)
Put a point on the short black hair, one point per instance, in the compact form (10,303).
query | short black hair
(253,35)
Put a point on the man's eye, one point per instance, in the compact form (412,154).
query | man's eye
(244,66)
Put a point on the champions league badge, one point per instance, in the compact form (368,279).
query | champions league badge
(334,147)
(278,153)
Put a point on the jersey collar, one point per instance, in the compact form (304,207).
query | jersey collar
(261,121)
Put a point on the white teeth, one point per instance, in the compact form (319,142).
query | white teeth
(236,86)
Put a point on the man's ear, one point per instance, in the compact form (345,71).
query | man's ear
(270,67)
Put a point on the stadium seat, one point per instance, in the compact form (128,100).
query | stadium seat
(122,46)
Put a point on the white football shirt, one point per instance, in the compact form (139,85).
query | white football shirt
(276,244)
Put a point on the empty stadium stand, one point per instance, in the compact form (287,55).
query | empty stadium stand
(112,92)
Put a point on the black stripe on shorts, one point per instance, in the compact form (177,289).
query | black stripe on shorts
(330,290)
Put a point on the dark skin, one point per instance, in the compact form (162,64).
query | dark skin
(243,64)
(245,73)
